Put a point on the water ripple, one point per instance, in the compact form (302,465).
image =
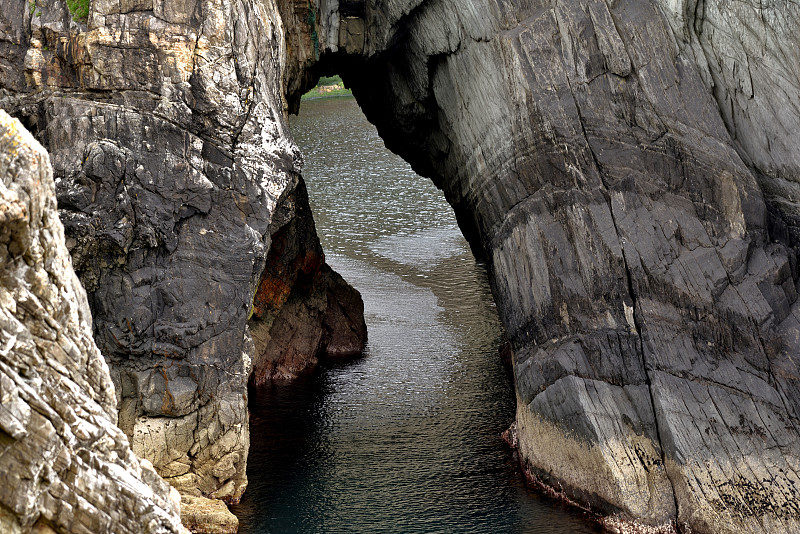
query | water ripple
(405,439)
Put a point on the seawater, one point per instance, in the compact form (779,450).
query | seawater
(407,438)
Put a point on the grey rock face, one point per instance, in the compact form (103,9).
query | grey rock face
(636,206)
(750,61)
(653,315)
(66,466)
(165,127)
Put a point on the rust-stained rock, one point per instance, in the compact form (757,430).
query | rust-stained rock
(302,310)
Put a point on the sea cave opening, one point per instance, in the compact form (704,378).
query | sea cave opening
(406,438)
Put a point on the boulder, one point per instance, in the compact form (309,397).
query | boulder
(207,516)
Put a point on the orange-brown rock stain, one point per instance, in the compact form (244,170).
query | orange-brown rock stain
(278,280)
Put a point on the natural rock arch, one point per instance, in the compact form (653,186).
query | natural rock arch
(641,242)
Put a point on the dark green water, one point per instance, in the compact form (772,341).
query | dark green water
(407,438)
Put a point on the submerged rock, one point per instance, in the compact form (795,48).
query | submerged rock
(66,466)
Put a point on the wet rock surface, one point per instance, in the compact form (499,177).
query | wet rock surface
(66,466)
(302,309)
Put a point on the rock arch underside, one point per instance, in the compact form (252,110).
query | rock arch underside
(629,169)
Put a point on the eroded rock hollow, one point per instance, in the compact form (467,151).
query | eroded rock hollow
(626,168)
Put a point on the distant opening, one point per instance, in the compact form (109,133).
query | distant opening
(407,438)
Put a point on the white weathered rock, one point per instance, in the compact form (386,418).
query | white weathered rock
(166,129)
(65,464)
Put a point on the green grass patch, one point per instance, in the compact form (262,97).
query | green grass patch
(79,9)
(318,93)
(328,86)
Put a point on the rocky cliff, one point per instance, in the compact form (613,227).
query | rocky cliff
(165,123)
(626,168)
(66,466)
(747,54)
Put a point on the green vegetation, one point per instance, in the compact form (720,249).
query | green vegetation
(79,9)
(328,86)
(330,80)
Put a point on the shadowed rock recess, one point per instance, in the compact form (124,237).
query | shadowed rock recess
(628,169)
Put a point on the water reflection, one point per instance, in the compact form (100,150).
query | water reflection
(406,439)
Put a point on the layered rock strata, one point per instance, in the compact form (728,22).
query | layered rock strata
(166,126)
(633,196)
(748,58)
(145,183)
(66,466)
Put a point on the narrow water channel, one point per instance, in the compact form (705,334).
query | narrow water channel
(407,438)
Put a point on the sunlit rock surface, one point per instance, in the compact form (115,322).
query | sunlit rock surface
(207,516)
(66,466)
(167,166)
